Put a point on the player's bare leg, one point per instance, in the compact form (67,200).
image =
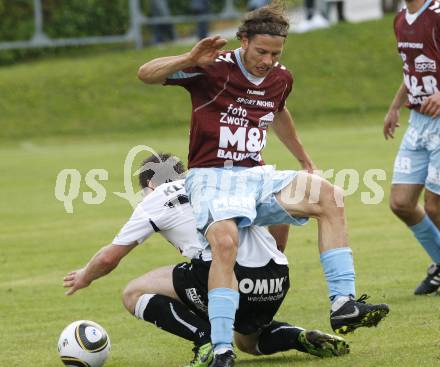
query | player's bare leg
(432,207)
(281,234)
(404,203)
(425,228)
(424,222)
(223,238)
(158,281)
(152,298)
(223,295)
(312,196)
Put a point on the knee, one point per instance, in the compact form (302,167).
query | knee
(331,199)
(400,207)
(224,244)
(130,297)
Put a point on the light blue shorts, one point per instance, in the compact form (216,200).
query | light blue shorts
(418,160)
(245,194)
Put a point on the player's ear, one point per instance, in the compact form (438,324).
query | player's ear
(244,42)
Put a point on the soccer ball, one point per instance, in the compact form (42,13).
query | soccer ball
(84,343)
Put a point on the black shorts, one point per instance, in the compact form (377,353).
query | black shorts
(262,290)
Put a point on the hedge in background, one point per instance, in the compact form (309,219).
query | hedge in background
(62,19)
(17,20)
(76,18)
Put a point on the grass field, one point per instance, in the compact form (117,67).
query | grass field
(88,113)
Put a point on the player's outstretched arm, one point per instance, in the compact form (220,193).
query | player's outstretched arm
(203,53)
(284,128)
(104,261)
(391,121)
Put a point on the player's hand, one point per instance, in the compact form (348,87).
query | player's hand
(390,124)
(75,280)
(431,106)
(207,50)
(308,165)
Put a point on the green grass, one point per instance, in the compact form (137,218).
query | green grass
(87,113)
(40,243)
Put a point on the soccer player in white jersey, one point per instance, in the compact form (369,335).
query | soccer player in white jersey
(236,96)
(417,165)
(174,298)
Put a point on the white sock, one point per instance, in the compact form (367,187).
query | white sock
(141,305)
(339,301)
(221,350)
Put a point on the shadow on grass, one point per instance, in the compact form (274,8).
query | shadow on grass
(276,360)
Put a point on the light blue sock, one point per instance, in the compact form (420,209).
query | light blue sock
(339,271)
(428,235)
(222,305)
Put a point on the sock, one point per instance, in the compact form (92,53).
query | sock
(428,235)
(222,305)
(279,337)
(172,316)
(338,269)
(338,302)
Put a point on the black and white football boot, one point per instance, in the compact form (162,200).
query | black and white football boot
(226,359)
(353,314)
(432,281)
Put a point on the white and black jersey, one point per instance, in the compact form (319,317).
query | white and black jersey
(167,211)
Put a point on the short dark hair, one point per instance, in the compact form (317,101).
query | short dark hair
(270,19)
(159,169)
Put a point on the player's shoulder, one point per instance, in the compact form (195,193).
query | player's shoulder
(400,14)
(170,189)
(222,64)
(224,60)
(164,194)
(282,69)
(399,18)
(226,57)
(282,72)
(433,9)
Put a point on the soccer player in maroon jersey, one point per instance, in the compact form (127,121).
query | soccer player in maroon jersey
(417,165)
(236,95)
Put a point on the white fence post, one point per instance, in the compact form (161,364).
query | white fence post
(39,35)
(135,23)
(229,8)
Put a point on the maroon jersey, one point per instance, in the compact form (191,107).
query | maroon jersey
(231,114)
(418,42)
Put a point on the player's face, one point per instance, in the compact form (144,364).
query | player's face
(261,52)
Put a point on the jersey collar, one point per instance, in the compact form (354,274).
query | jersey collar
(252,78)
(411,18)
